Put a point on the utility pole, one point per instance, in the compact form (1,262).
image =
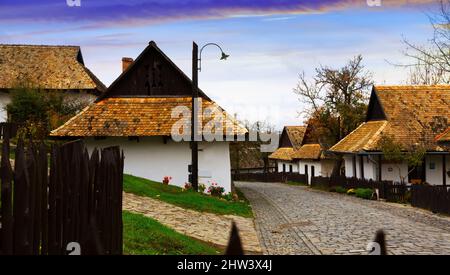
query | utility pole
(194,117)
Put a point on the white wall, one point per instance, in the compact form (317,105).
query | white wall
(287,165)
(348,163)
(327,166)
(434,176)
(152,159)
(317,168)
(392,171)
(5,99)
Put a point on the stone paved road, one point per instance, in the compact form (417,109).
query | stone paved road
(300,220)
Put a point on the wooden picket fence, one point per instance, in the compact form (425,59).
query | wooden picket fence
(388,190)
(60,198)
(270,177)
(433,198)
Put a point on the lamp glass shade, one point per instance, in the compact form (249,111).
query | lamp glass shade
(224,56)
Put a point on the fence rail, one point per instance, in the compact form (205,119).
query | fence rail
(58,196)
(270,177)
(388,190)
(433,198)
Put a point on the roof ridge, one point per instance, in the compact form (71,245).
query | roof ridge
(413,86)
(39,45)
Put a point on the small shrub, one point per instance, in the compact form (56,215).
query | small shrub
(351,191)
(187,186)
(166,180)
(201,188)
(364,193)
(341,190)
(216,190)
(228,197)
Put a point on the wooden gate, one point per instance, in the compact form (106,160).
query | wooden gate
(60,197)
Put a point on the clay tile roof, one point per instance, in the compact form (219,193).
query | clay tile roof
(416,114)
(308,151)
(364,137)
(284,153)
(296,135)
(46,67)
(136,116)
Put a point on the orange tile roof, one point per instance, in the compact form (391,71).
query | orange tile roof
(364,137)
(416,114)
(284,153)
(135,116)
(308,151)
(45,67)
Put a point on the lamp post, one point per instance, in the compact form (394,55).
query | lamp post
(196,67)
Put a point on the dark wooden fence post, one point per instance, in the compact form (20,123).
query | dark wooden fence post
(79,199)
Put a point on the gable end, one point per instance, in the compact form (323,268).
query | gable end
(375,110)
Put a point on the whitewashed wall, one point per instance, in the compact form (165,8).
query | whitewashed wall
(392,171)
(348,163)
(5,99)
(287,165)
(152,159)
(434,176)
(327,166)
(317,168)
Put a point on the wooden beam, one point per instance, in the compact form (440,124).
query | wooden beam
(354,165)
(444,171)
(424,168)
(380,166)
(361,165)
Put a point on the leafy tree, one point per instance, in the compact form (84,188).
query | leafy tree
(38,111)
(336,99)
(398,154)
(248,153)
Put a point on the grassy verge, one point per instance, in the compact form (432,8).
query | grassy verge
(146,236)
(185,199)
(241,196)
(296,183)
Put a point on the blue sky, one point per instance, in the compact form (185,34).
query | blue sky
(270,42)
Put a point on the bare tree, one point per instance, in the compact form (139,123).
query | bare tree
(424,73)
(335,98)
(431,63)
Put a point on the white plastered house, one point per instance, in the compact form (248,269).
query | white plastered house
(135,113)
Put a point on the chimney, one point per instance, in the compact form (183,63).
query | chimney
(126,62)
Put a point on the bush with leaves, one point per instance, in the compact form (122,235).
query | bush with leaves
(364,193)
(397,154)
(39,111)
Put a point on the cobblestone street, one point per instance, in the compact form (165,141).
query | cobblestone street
(300,220)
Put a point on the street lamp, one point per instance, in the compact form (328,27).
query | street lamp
(196,67)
